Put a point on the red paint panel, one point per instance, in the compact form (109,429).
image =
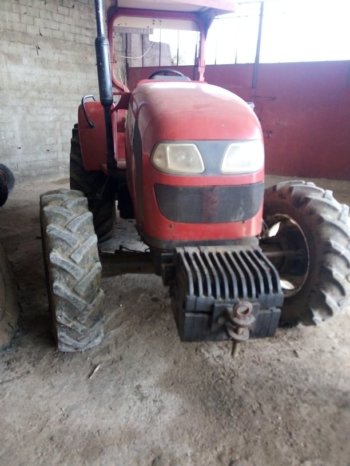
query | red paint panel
(92,140)
(118,125)
(183,111)
(304,109)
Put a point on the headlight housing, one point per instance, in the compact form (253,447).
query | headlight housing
(181,158)
(243,157)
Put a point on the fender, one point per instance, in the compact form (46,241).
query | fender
(92,140)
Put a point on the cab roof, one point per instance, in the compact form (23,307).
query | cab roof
(216,7)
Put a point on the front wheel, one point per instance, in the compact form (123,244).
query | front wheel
(73,270)
(307,237)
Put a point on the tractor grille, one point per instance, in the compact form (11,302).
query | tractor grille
(209,204)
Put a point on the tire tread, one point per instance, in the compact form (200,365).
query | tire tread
(73,270)
(327,225)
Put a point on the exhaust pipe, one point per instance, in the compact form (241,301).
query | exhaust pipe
(102,57)
(104,80)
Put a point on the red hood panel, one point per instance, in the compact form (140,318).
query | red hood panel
(191,111)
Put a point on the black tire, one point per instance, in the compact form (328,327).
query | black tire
(313,224)
(73,270)
(9,177)
(8,303)
(4,192)
(96,186)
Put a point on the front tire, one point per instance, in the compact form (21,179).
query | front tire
(310,231)
(73,270)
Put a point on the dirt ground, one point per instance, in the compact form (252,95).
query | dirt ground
(145,398)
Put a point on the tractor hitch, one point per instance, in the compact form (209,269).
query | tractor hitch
(237,321)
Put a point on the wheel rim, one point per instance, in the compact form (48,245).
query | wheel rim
(285,244)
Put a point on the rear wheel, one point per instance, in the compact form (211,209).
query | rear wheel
(96,186)
(307,237)
(73,270)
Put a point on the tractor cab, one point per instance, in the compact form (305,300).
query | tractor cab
(160,36)
(155,47)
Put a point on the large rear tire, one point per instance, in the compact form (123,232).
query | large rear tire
(8,303)
(96,186)
(73,270)
(310,234)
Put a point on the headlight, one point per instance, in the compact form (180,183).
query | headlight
(243,157)
(178,158)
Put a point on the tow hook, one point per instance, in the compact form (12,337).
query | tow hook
(238,320)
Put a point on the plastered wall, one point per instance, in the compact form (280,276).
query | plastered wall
(47,62)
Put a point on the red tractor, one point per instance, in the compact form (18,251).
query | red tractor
(185,159)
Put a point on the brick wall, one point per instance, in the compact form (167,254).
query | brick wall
(47,62)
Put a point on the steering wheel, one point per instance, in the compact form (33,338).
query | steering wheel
(168,72)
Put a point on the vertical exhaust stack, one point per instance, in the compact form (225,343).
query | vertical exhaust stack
(104,80)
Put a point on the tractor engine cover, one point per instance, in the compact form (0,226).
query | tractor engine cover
(209,280)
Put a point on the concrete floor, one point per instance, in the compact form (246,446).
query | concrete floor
(145,398)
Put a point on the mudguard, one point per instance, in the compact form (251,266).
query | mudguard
(92,136)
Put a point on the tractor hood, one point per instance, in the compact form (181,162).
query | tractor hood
(187,111)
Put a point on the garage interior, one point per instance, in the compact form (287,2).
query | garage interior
(143,397)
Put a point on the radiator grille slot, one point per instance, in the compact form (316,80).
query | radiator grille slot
(208,274)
